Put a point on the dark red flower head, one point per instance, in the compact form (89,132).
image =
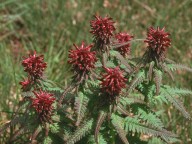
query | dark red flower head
(121,39)
(34,65)
(102,29)
(82,59)
(113,81)
(26,84)
(158,40)
(43,104)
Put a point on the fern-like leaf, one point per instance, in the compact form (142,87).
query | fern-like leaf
(122,110)
(67,132)
(179,91)
(47,140)
(81,102)
(161,99)
(66,91)
(81,132)
(158,80)
(178,104)
(100,120)
(151,65)
(156,140)
(169,61)
(134,125)
(118,124)
(151,119)
(149,93)
(54,128)
(94,84)
(167,70)
(122,60)
(181,67)
(101,140)
(126,101)
(136,80)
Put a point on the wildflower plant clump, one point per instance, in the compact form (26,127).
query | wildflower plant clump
(111,97)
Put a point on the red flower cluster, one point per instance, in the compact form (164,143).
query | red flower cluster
(82,59)
(43,105)
(124,38)
(102,29)
(158,40)
(113,81)
(34,65)
(25,84)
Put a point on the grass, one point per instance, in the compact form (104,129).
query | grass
(52,26)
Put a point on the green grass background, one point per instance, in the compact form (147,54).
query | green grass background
(52,26)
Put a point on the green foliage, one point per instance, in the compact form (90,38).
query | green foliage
(81,102)
(118,123)
(180,67)
(150,119)
(170,95)
(138,78)
(151,65)
(158,80)
(100,120)
(101,140)
(81,114)
(122,60)
(80,132)
(54,128)
(47,140)
(135,126)
(156,140)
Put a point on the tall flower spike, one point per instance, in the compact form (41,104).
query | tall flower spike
(34,65)
(82,59)
(121,39)
(113,81)
(43,104)
(102,30)
(158,40)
